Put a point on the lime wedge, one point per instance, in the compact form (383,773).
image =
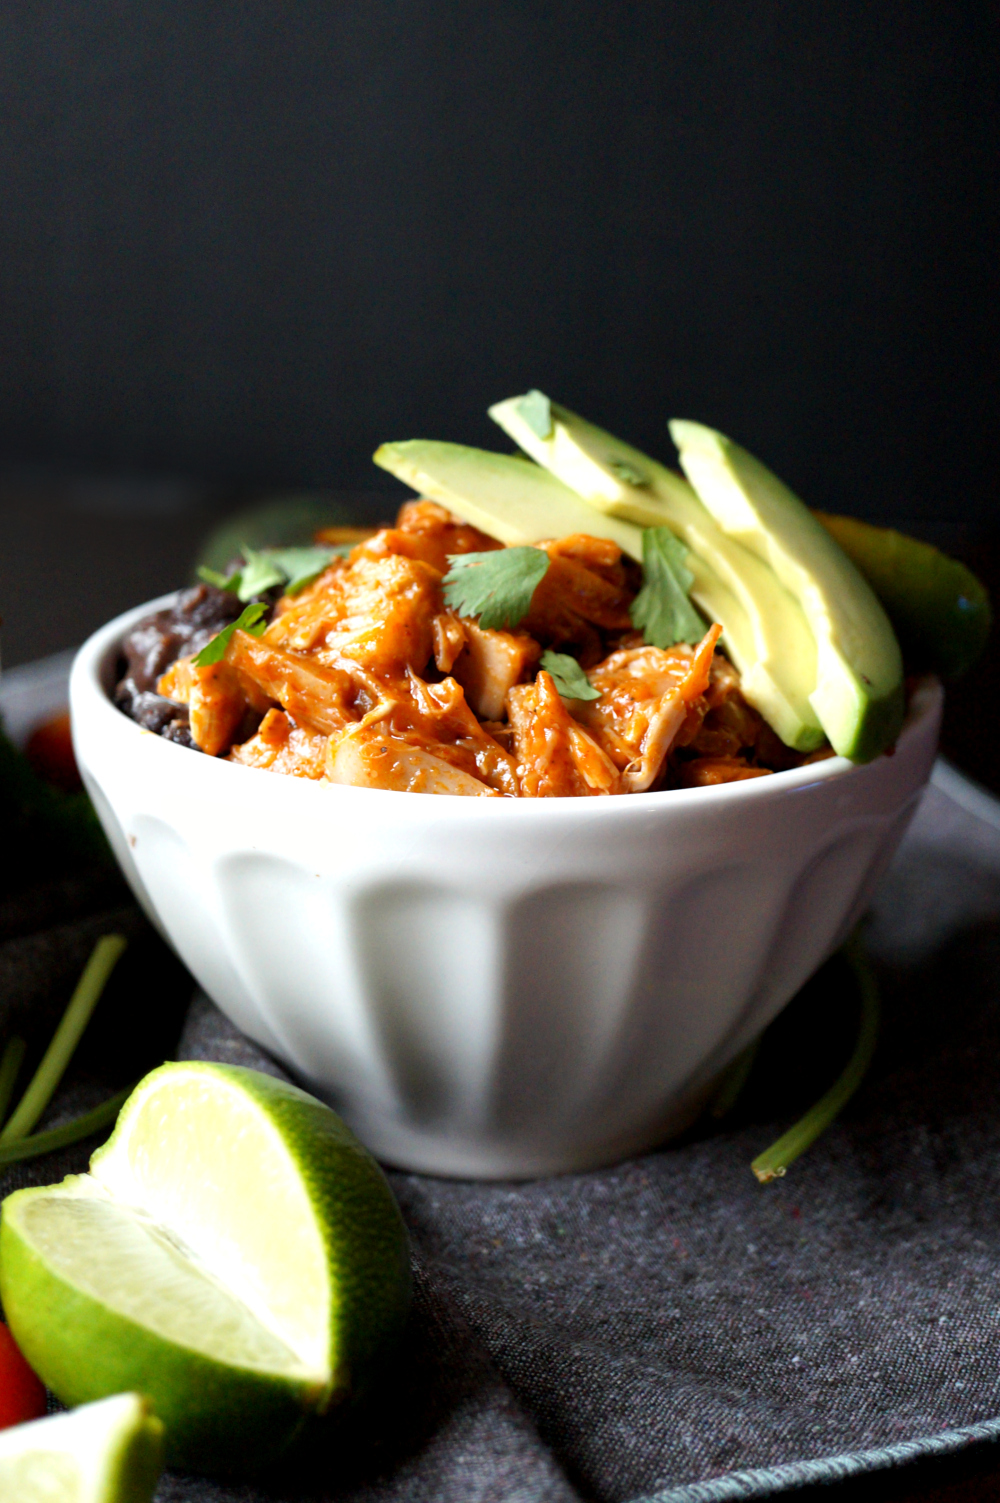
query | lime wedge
(234,1254)
(111,1452)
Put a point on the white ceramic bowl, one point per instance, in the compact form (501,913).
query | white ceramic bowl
(494,988)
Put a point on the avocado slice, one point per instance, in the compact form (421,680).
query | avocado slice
(506,497)
(941,612)
(764,629)
(859,691)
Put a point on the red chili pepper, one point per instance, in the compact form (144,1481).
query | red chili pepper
(22,1394)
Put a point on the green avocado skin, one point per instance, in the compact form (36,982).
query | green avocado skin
(254,1422)
(882,725)
(939,609)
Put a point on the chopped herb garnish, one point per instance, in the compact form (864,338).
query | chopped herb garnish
(18,1141)
(252,621)
(627,472)
(496,586)
(265,568)
(300,566)
(662,610)
(219,581)
(259,574)
(568,677)
(10,1065)
(773,1162)
(536,409)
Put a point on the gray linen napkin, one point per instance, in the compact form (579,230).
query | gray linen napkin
(671,1330)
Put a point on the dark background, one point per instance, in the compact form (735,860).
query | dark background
(244,242)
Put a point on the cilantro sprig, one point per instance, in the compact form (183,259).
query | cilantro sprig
(251,620)
(264,568)
(662,610)
(496,586)
(568,677)
(773,1162)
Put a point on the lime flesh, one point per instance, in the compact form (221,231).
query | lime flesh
(110,1452)
(234,1254)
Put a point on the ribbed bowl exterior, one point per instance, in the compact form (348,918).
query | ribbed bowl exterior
(492,988)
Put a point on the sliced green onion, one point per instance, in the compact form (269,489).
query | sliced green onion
(773,1162)
(46,1078)
(69,1132)
(10,1065)
(734,1079)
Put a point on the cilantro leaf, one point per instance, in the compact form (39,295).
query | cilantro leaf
(536,409)
(252,621)
(219,581)
(497,586)
(662,609)
(264,569)
(301,566)
(259,574)
(568,677)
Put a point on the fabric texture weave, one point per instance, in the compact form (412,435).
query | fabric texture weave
(669,1329)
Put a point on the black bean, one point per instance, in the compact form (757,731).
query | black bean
(182,630)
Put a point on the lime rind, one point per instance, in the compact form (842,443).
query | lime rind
(110,1283)
(108,1452)
(169,1159)
(217,1416)
(112,1254)
(364,1244)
